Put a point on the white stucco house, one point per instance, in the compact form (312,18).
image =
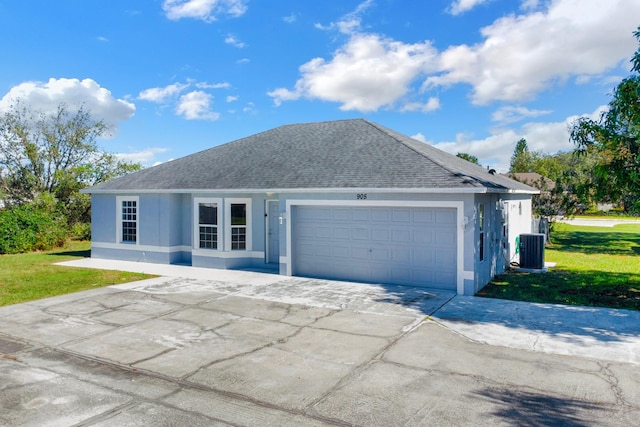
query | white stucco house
(349,200)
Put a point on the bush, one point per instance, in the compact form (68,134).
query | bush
(81,231)
(33,226)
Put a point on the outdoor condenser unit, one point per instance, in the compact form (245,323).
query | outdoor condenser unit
(532,251)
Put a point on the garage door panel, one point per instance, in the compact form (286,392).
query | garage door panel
(403,236)
(361,234)
(401,255)
(379,235)
(446,217)
(401,216)
(360,215)
(380,215)
(360,253)
(408,246)
(342,214)
(423,236)
(379,254)
(341,233)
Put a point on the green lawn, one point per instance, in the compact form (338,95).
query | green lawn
(596,266)
(28,277)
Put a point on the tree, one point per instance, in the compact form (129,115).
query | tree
(53,156)
(468,157)
(614,139)
(38,150)
(521,160)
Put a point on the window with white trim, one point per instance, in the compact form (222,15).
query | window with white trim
(208,225)
(128,219)
(207,219)
(238,224)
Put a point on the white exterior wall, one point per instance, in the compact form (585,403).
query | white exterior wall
(519,222)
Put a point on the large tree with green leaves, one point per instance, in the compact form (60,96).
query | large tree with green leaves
(614,139)
(51,157)
(55,153)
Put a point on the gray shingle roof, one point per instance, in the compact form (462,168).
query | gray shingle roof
(337,154)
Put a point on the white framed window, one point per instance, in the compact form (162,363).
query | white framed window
(127,213)
(238,224)
(207,220)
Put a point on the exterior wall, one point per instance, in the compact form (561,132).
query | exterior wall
(519,213)
(166,231)
(505,218)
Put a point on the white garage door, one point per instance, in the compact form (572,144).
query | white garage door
(406,246)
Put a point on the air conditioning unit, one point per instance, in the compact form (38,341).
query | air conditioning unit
(532,251)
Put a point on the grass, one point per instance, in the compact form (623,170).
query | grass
(32,276)
(595,266)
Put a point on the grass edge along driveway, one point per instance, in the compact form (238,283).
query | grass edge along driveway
(32,276)
(595,266)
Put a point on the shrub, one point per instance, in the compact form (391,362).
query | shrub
(33,226)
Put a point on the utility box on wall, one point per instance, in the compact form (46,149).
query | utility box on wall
(532,250)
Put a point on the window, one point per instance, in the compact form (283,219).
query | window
(238,226)
(208,225)
(127,220)
(481,229)
(207,217)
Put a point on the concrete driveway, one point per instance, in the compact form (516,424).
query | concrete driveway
(241,348)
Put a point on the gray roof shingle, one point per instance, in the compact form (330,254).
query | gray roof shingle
(324,155)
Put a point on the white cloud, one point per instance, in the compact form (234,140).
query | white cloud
(369,72)
(233,41)
(349,23)
(290,19)
(522,55)
(420,137)
(231,98)
(144,156)
(205,10)
(46,97)
(196,105)
(432,104)
(513,113)
(103,39)
(496,149)
(243,61)
(160,94)
(461,6)
(203,85)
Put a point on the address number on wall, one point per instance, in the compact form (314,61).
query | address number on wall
(361,196)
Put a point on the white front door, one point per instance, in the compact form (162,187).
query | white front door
(273,232)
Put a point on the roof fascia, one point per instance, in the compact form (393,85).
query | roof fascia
(342,190)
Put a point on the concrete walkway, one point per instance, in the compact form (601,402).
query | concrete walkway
(597,222)
(251,349)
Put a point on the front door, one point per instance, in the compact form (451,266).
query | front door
(273,231)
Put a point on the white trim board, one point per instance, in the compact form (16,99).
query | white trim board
(173,249)
(458,205)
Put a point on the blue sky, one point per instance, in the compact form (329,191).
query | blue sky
(178,76)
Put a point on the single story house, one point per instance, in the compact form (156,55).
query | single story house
(346,199)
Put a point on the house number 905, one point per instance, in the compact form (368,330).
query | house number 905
(361,196)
